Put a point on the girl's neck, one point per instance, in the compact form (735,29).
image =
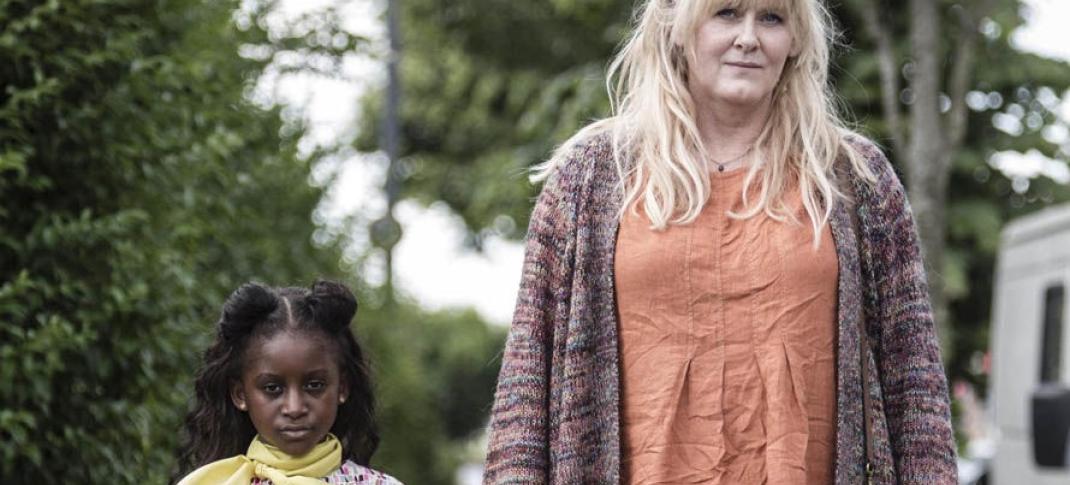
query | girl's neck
(729,131)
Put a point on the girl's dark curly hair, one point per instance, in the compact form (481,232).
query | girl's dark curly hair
(215,429)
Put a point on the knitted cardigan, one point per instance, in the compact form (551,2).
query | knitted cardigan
(556,412)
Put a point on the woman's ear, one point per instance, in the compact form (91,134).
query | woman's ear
(237,396)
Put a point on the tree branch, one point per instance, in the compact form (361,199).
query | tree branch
(962,69)
(889,71)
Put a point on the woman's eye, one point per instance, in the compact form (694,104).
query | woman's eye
(770,18)
(726,13)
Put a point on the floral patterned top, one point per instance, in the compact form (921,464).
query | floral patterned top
(349,474)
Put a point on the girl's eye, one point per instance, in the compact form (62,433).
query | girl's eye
(727,13)
(272,388)
(316,385)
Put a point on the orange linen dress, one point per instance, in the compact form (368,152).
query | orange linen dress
(727,339)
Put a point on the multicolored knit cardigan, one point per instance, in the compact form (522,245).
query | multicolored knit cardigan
(556,414)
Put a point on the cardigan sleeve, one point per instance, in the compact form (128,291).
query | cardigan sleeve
(915,393)
(518,443)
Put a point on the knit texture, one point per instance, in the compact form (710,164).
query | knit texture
(555,418)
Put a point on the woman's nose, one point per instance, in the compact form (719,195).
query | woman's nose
(747,39)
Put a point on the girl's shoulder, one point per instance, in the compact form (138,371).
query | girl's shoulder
(351,473)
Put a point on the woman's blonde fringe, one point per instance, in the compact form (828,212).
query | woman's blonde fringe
(659,156)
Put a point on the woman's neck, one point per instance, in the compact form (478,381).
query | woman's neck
(729,131)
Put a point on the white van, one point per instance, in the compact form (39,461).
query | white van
(1029,392)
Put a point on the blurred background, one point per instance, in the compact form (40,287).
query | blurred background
(156,154)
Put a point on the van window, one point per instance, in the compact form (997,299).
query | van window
(1051,355)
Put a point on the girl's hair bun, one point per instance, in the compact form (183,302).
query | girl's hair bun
(332,305)
(250,304)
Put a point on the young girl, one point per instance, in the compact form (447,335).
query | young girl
(283,395)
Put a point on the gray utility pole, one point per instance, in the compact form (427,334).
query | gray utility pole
(386,232)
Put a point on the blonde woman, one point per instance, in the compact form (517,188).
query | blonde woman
(722,283)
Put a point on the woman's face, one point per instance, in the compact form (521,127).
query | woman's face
(740,53)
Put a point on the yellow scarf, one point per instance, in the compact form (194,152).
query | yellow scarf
(266,461)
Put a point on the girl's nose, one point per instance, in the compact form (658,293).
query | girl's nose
(293,405)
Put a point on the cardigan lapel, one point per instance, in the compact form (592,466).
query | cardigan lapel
(586,370)
(850,441)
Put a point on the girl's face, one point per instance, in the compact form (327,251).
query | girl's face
(740,53)
(291,387)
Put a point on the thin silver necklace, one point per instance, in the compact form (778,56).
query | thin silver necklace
(722,165)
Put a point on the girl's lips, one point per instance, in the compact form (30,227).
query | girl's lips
(295,433)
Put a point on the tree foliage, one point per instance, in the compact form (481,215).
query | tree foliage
(1006,84)
(140,185)
(489,88)
(435,381)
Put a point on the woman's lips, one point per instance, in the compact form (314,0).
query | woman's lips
(746,65)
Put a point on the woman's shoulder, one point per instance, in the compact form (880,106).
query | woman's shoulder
(351,473)
(885,194)
(589,149)
(872,153)
(886,181)
(867,148)
(595,145)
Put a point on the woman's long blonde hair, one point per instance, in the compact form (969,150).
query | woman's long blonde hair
(657,147)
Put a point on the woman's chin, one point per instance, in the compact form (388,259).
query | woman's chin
(749,98)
